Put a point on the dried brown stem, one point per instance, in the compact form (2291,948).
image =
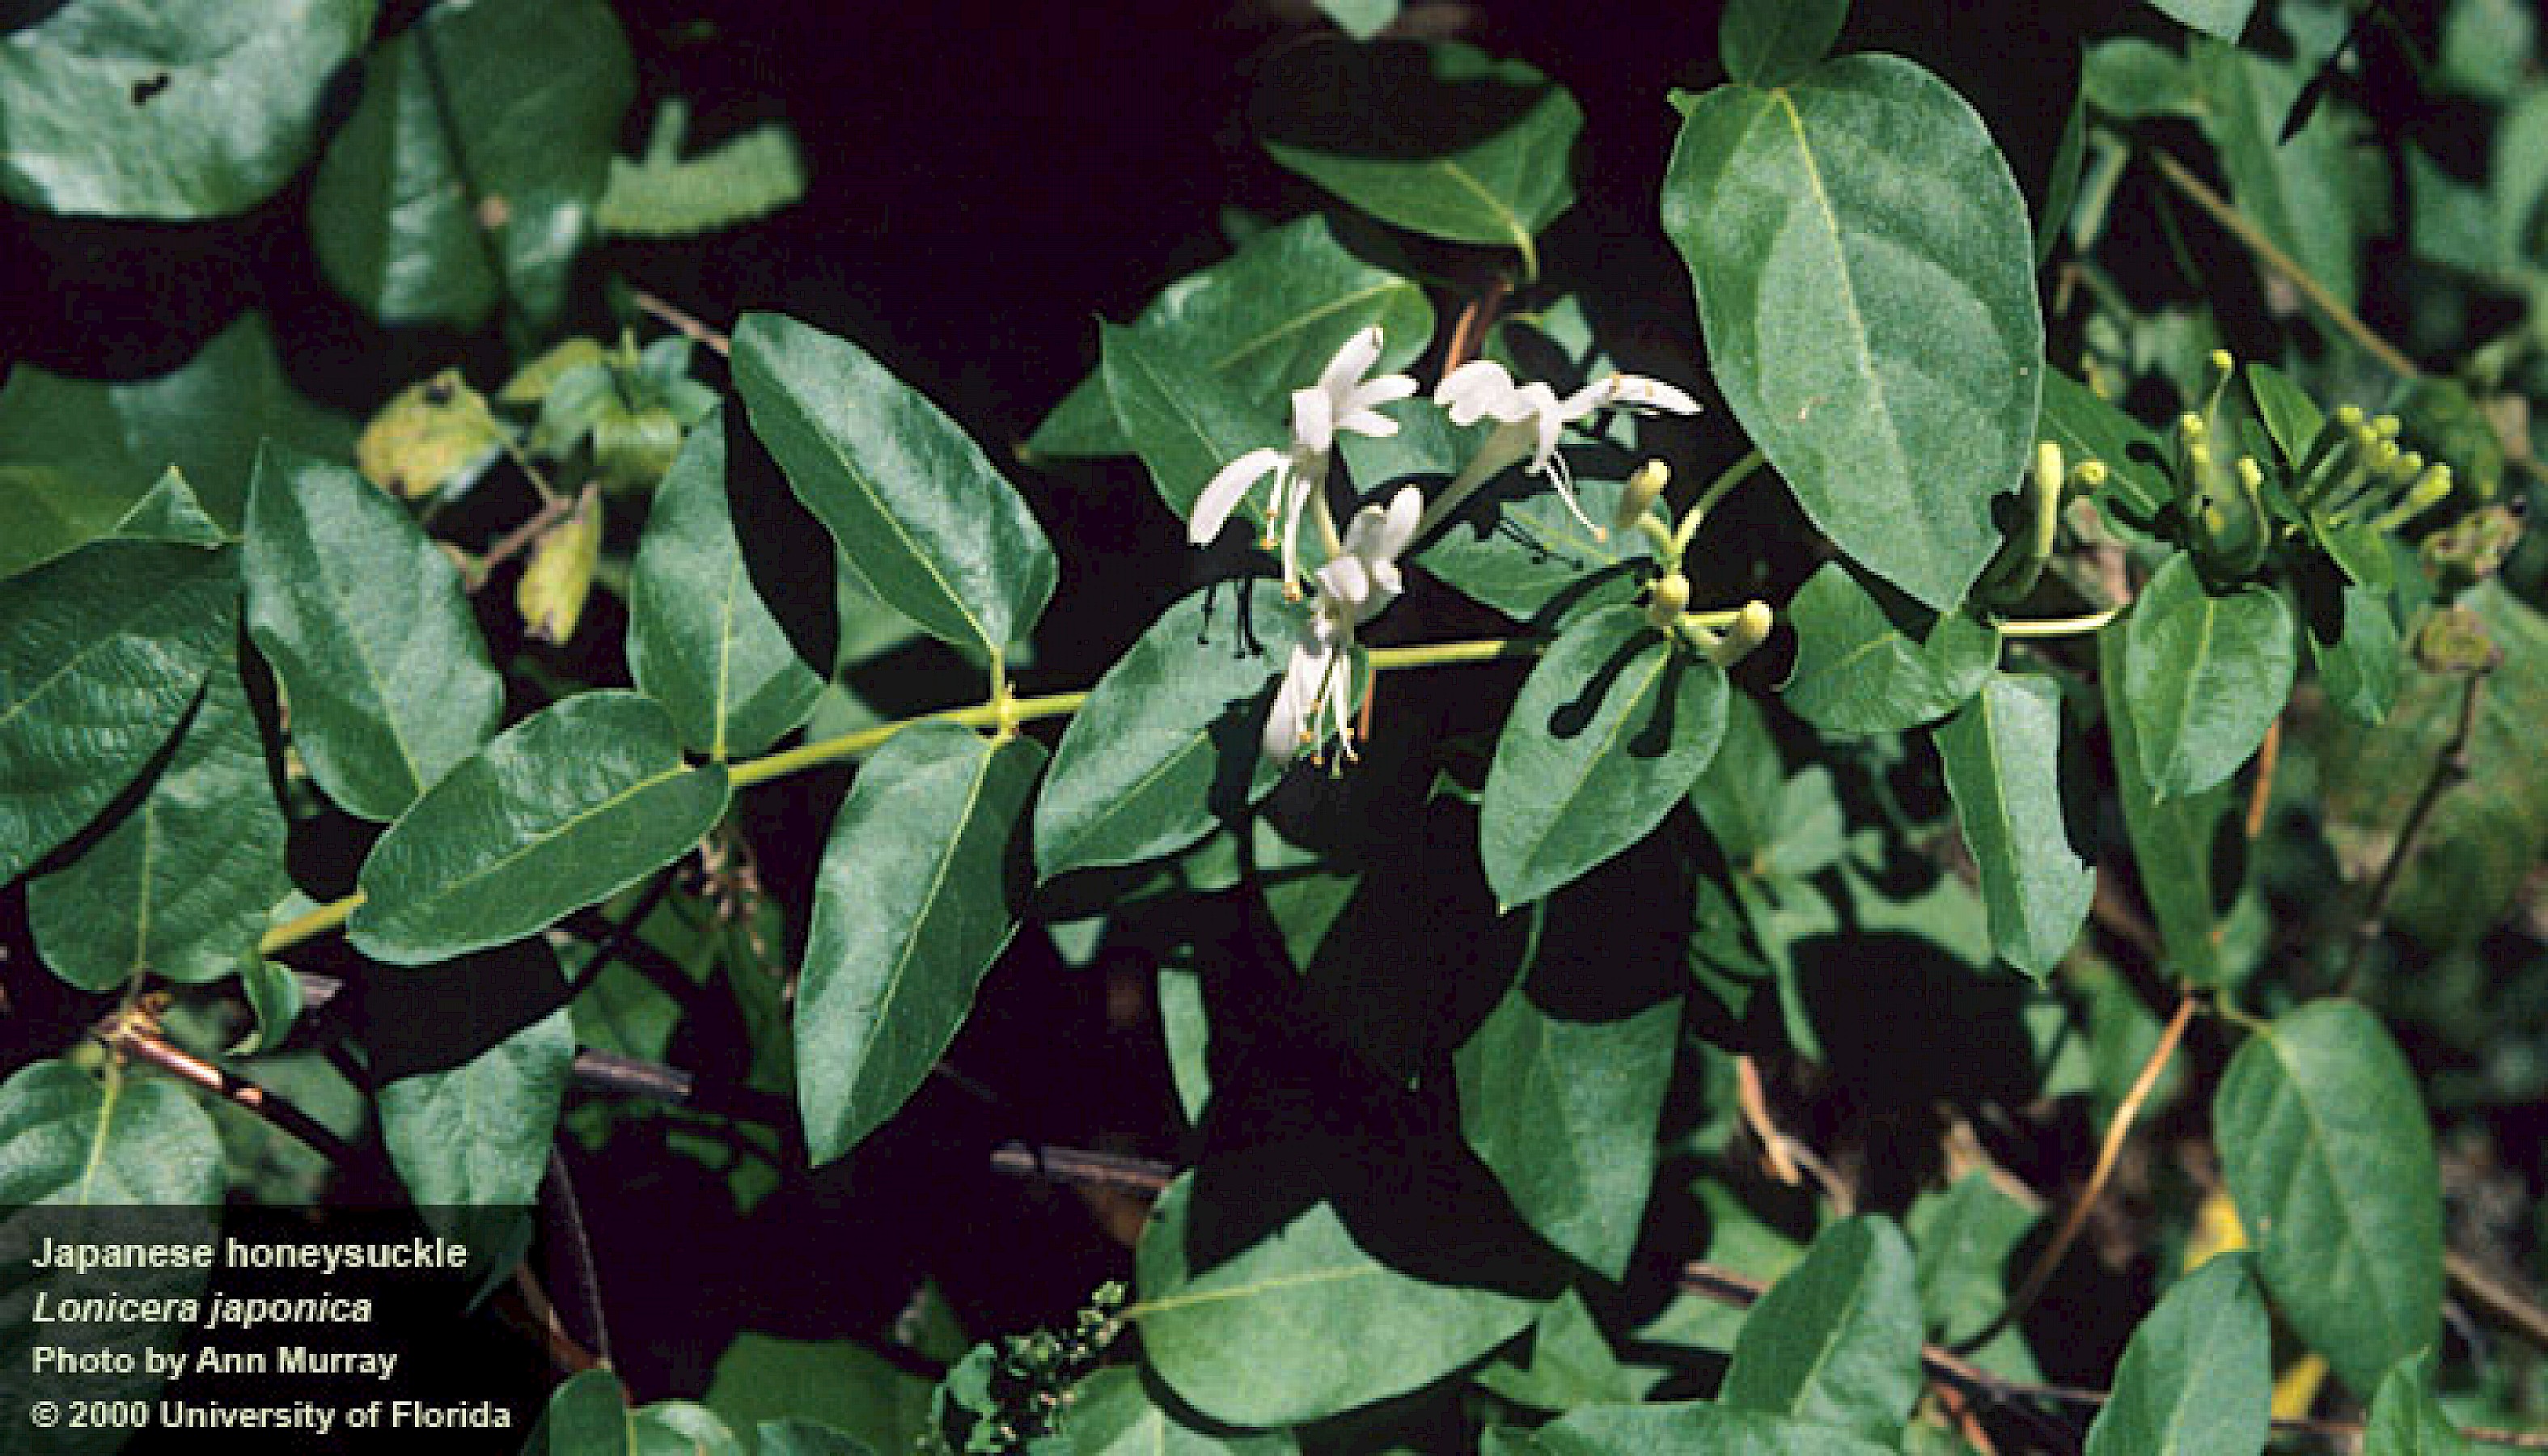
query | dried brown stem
(690,327)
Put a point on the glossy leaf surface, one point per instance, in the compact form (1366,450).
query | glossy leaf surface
(366,626)
(2204,676)
(478,1135)
(700,640)
(1871,661)
(105,650)
(1865,283)
(2194,1380)
(530,94)
(1836,1341)
(911,500)
(2001,756)
(2327,1152)
(917,895)
(573,803)
(1608,732)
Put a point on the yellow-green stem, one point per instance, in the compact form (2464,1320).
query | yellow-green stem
(309,925)
(1717,490)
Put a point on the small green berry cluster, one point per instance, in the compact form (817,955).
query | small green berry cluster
(1009,1395)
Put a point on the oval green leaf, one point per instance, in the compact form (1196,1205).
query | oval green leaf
(2406,1420)
(2176,841)
(916,898)
(2002,759)
(1869,660)
(478,1135)
(1228,1339)
(912,501)
(1836,1342)
(2299,192)
(1770,43)
(79,453)
(364,621)
(700,640)
(573,803)
(1609,731)
(1866,281)
(105,649)
(2328,1156)
(1266,320)
(531,93)
(111,109)
(181,884)
(2194,1380)
(1434,138)
(1169,743)
(2204,675)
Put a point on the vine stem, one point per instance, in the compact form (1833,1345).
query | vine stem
(2240,226)
(1001,712)
(2108,1153)
(688,325)
(2449,766)
(2078,626)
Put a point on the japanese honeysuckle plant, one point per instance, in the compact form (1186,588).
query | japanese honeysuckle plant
(1669,862)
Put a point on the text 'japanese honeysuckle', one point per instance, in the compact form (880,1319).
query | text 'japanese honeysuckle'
(1528,418)
(1341,400)
(1316,698)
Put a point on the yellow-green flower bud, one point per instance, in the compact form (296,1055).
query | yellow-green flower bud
(1645,487)
(1748,629)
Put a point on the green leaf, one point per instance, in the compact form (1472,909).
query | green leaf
(2360,670)
(749,175)
(1968,1238)
(120,109)
(88,1151)
(2177,840)
(572,804)
(1435,137)
(2328,1156)
(478,1135)
(1869,660)
(1561,1087)
(2291,417)
(1836,1342)
(589,1416)
(1770,43)
(1609,731)
(700,640)
(1266,320)
(805,1438)
(2129,78)
(180,885)
(2061,185)
(67,1138)
(762,1378)
(364,621)
(1169,743)
(530,94)
(273,995)
(2086,427)
(1570,1363)
(1116,1412)
(79,453)
(2297,192)
(2001,756)
(1360,19)
(1866,281)
(1689,1426)
(1182,421)
(1767,823)
(2194,1380)
(911,500)
(2204,676)
(917,895)
(105,649)
(1227,1337)
(2220,19)
(2406,1420)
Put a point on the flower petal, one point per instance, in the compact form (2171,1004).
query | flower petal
(1347,582)
(1351,363)
(1475,389)
(1651,394)
(1398,524)
(1227,489)
(1314,421)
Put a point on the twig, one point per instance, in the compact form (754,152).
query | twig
(2449,766)
(2267,757)
(1755,1106)
(133,1034)
(2510,1307)
(691,327)
(2107,1153)
(1468,334)
(2272,256)
(513,542)
(567,1225)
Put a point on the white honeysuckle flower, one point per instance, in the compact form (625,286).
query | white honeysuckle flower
(1341,400)
(1357,586)
(1529,416)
